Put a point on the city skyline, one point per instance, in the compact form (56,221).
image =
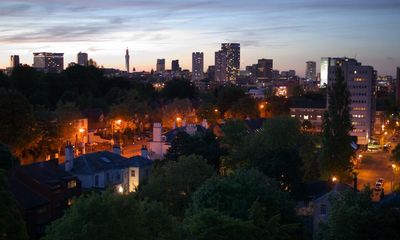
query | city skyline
(289,32)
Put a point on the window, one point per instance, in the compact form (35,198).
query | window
(133,173)
(322,209)
(71,184)
(96,180)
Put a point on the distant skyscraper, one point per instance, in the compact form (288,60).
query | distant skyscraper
(227,62)
(160,67)
(49,62)
(232,51)
(220,66)
(311,70)
(197,66)
(211,73)
(265,69)
(361,82)
(327,62)
(127,60)
(82,59)
(14,61)
(175,66)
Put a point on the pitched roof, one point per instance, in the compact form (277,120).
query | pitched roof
(307,103)
(104,160)
(170,135)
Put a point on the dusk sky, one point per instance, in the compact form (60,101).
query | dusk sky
(290,32)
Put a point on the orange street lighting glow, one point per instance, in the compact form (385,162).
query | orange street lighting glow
(81,130)
(215,110)
(119,121)
(334,179)
(262,106)
(178,119)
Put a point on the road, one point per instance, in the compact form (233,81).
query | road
(374,166)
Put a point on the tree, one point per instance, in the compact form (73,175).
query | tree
(179,88)
(7,160)
(235,133)
(351,217)
(275,151)
(235,194)
(12,227)
(178,108)
(396,153)
(203,144)
(209,112)
(174,182)
(210,224)
(245,107)
(113,216)
(227,96)
(17,122)
(336,145)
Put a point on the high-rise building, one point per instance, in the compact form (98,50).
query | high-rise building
(175,66)
(311,70)
(232,51)
(265,70)
(197,66)
(127,60)
(220,66)
(160,67)
(327,62)
(211,73)
(49,62)
(82,59)
(14,61)
(227,62)
(361,81)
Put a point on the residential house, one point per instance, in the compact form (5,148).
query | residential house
(43,191)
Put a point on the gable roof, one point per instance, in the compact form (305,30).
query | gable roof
(170,135)
(104,160)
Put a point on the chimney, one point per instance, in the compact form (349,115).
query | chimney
(204,123)
(144,152)
(157,131)
(117,149)
(69,157)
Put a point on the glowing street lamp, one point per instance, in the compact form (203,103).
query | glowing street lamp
(216,110)
(334,179)
(178,119)
(262,106)
(81,130)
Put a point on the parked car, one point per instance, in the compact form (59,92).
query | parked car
(378,185)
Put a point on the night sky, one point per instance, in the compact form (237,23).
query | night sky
(290,32)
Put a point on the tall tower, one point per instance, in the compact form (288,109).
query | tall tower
(197,66)
(127,60)
(311,70)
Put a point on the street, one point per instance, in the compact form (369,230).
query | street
(374,166)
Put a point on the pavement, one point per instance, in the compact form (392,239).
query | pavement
(375,165)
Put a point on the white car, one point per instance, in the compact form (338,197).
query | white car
(378,185)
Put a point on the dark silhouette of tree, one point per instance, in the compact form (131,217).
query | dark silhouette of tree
(179,88)
(12,227)
(336,145)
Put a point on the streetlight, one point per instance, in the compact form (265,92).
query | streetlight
(334,179)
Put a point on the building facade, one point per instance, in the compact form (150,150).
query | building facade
(82,59)
(43,191)
(14,61)
(104,169)
(160,67)
(197,66)
(311,70)
(265,70)
(361,81)
(227,63)
(327,62)
(48,62)
(175,66)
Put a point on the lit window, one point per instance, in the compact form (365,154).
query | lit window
(72,184)
(133,173)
